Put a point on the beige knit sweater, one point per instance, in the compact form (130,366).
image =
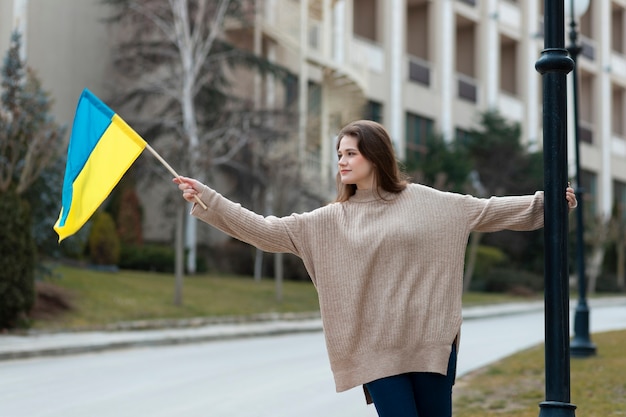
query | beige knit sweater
(388,272)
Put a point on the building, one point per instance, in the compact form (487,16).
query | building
(417,66)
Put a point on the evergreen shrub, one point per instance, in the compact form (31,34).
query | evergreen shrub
(513,280)
(153,257)
(17,260)
(104,243)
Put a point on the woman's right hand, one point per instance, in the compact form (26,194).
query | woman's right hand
(189,186)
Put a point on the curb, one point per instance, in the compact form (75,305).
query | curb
(58,344)
(146,333)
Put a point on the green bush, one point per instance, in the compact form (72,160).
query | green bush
(17,261)
(155,258)
(77,246)
(104,244)
(487,258)
(513,280)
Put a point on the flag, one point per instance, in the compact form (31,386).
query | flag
(102,147)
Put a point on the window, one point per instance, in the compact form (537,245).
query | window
(619,193)
(291,90)
(508,65)
(419,71)
(374,111)
(589,184)
(364,19)
(462,136)
(418,129)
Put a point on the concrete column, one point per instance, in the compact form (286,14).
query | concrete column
(258,51)
(326,159)
(270,82)
(445,65)
(395,45)
(326,29)
(339,13)
(347,28)
(303,81)
(489,50)
(605,132)
(529,79)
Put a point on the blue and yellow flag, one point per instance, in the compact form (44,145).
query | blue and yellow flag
(102,147)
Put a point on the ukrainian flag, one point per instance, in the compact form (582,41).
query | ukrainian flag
(102,147)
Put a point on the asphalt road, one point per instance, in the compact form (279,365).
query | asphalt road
(275,376)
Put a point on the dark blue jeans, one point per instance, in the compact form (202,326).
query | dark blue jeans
(416,394)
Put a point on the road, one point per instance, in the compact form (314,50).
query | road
(275,376)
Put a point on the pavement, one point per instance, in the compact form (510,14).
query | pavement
(170,332)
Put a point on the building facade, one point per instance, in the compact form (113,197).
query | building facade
(417,66)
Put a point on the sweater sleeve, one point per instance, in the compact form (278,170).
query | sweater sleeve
(270,234)
(517,213)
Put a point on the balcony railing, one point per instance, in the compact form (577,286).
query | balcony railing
(467,88)
(585,130)
(588,48)
(618,145)
(419,71)
(368,53)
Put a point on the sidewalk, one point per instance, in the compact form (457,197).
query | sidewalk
(164,332)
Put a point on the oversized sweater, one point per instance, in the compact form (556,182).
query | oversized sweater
(388,272)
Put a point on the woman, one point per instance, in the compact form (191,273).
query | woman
(386,259)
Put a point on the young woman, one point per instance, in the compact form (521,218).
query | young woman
(386,259)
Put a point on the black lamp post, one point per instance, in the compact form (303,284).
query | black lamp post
(581,345)
(554,64)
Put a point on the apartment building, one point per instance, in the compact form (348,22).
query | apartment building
(424,66)
(417,66)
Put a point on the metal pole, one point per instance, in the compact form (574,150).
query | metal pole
(581,345)
(554,64)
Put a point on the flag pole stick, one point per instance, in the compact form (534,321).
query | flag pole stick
(171,170)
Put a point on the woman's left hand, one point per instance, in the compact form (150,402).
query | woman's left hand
(570,196)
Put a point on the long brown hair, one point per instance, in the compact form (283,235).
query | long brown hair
(375,145)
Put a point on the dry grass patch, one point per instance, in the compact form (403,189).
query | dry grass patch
(515,385)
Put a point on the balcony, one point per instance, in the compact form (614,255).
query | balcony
(511,106)
(509,14)
(419,70)
(588,48)
(367,53)
(585,131)
(467,88)
(618,146)
(618,63)
(324,47)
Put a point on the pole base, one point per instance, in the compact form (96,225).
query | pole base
(582,348)
(581,345)
(556,409)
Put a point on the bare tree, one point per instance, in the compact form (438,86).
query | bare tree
(173,60)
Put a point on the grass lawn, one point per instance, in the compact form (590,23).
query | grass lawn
(515,386)
(101,298)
